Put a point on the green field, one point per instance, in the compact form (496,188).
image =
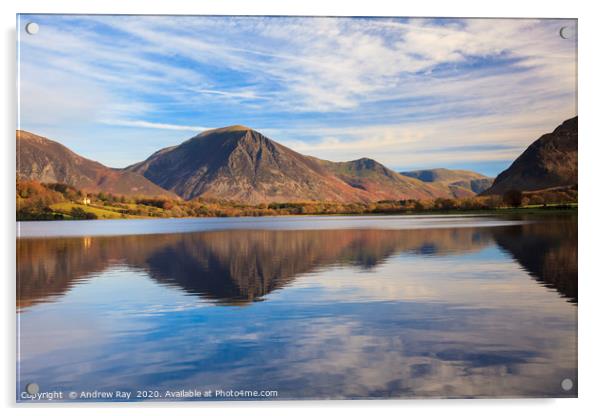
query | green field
(105,212)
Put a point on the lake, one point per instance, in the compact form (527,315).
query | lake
(298,307)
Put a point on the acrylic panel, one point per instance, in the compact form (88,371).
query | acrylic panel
(291,208)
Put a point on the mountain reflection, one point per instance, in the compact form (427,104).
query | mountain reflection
(547,251)
(240,266)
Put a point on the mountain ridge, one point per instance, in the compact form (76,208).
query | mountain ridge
(461,183)
(549,162)
(45,160)
(239,163)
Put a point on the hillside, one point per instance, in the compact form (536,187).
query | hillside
(44,160)
(549,162)
(240,164)
(379,181)
(461,183)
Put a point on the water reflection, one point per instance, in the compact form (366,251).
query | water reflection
(438,312)
(226,266)
(547,251)
(240,266)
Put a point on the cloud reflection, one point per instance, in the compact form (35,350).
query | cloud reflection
(449,312)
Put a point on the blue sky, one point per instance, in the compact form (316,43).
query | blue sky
(410,93)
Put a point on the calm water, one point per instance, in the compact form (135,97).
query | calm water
(311,307)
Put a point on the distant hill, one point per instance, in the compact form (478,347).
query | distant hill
(461,183)
(379,181)
(241,164)
(550,161)
(45,160)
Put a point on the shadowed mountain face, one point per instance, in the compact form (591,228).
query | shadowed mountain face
(551,161)
(240,266)
(44,160)
(238,163)
(461,183)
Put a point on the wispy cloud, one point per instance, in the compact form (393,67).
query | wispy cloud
(350,87)
(150,125)
(230,94)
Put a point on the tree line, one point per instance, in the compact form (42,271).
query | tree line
(35,201)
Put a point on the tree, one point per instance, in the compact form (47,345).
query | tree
(81,214)
(536,200)
(445,204)
(513,197)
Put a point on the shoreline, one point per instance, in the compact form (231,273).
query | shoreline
(549,209)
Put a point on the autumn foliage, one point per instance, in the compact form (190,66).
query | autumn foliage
(36,200)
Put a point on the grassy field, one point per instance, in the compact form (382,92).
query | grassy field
(105,212)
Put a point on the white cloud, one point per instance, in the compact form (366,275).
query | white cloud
(392,89)
(151,125)
(238,94)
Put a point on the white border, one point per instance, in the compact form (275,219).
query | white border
(590,285)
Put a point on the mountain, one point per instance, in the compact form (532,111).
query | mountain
(461,183)
(379,181)
(241,164)
(550,161)
(45,160)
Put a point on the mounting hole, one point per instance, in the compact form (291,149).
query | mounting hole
(567,384)
(32,388)
(567,32)
(32,28)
